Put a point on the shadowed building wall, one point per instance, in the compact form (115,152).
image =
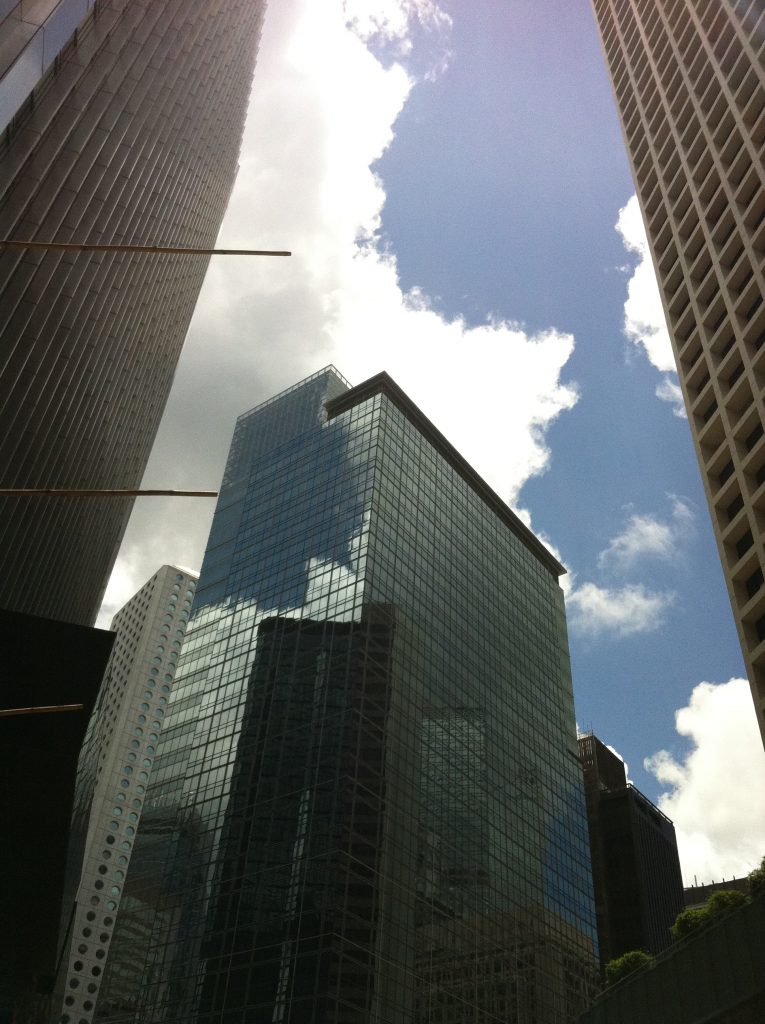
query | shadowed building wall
(130,135)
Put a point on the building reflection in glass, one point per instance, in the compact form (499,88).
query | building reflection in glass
(372,732)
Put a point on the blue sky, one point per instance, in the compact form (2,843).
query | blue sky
(449,176)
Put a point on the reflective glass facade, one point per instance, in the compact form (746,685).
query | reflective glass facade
(367,801)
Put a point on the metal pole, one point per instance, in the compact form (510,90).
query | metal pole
(81,492)
(15,243)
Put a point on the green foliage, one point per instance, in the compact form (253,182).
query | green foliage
(688,921)
(718,903)
(757,879)
(723,901)
(625,965)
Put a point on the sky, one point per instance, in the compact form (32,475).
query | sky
(452,182)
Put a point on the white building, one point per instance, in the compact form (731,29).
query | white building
(114,767)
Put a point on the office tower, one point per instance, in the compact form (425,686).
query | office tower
(635,866)
(689,81)
(113,772)
(55,666)
(367,802)
(122,122)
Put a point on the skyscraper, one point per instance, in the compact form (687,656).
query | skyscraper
(635,866)
(689,81)
(366,802)
(113,772)
(122,124)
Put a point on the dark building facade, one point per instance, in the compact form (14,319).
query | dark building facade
(635,866)
(689,82)
(44,664)
(368,780)
(127,131)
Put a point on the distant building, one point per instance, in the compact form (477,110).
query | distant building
(367,792)
(113,773)
(689,82)
(635,866)
(43,664)
(121,123)
(713,976)
(697,895)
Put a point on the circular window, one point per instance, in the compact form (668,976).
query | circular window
(127,770)
(106,854)
(102,869)
(103,937)
(94,901)
(131,756)
(74,983)
(154,672)
(129,831)
(98,884)
(111,905)
(82,948)
(110,840)
(124,783)
(125,845)
(138,731)
(122,860)
(92,987)
(108,921)
(114,825)
(115,890)
(121,797)
(143,776)
(87,932)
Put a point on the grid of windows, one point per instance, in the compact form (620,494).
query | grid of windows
(689,81)
(112,777)
(367,802)
(132,137)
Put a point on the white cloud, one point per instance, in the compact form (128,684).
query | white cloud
(668,390)
(714,792)
(595,611)
(308,184)
(644,321)
(647,536)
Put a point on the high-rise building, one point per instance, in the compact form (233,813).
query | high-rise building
(367,802)
(689,81)
(122,124)
(51,673)
(113,772)
(635,866)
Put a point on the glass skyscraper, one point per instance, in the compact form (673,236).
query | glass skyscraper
(366,803)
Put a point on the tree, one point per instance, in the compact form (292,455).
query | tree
(688,921)
(718,903)
(625,965)
(757,879)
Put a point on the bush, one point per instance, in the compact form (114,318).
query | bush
(718,903)
(757,879)
(625,965)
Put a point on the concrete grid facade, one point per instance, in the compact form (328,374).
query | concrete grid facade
(689,81)
(112,777)
(131,135)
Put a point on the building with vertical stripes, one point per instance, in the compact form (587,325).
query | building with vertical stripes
(121,123)
(112,777)
(689,82)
